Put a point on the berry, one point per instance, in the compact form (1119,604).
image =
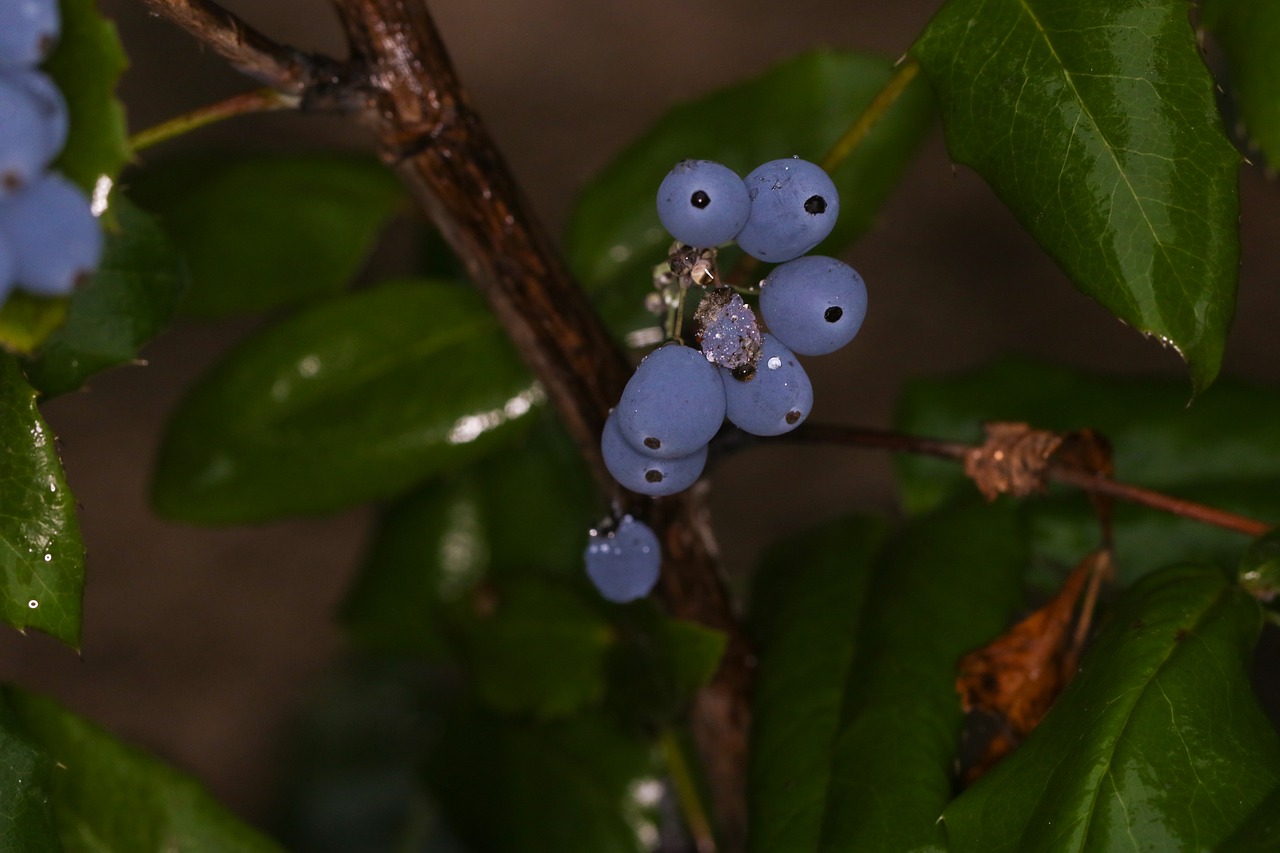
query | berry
(54,235)
(28,31)
(702,203)
(727,329)
(24,137)
(623,564)
(53,108)
(673,404)
(813,305)
(6,270)
(794,206)
(775,398)
(644,474)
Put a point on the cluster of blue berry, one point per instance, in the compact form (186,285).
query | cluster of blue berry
(49,237)
(655,441)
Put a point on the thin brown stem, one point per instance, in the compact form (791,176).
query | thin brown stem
(1093,483)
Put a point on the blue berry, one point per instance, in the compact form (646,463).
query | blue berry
(55,237)
(673,404)
(28,31)
(7,264)
(623,564)
(645,474)
(775,398)
(24,137)
(794,206)
(53,108)
(702,203)
(814,305)
(727,329)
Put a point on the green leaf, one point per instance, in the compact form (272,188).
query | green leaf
(1260,833)
(1095,122)
(26,787)
(128,301)
(522,511)
(801,107)
(354,399)
(1157,744)
(26,320)
(1249,34)
(110,797)
(86,65)
(857,718)
(41,554)
(1221,451)
(535,648)
(260,231)
(1259,573)
(576,786)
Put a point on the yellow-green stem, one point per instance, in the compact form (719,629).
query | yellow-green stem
(845,145)
(257,101)
(688,797)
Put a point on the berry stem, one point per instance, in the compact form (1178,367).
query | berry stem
(903,74)
(897,442)
(256,101)
(685,786)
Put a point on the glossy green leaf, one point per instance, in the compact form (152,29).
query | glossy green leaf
(577,786)
(1095,122)
(857,718)
(522,511)
(657,664)
(41,554)
(128,301)
(1157,744)
(262,231)
(354,399)
(26,790)
(801,107)
(86,65)
(535,648)
(1260,832)
(1249,34)
(110,797)
(1221,450)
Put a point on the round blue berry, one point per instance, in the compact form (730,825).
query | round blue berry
(623,563)
(646,474)
(673,404)
(28,31)
(54,235)
(794,206)
(24,137)
(52,105)
(814,305)
(702,203)
(774,398)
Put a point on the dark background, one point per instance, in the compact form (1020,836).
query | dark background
(199,644)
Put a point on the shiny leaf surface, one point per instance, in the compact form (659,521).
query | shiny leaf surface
(41,554)
(576,786)
(1221,450)
(857,716)
(263,231)
(1249,34)
(801,107)
(1138,753)
(1095,122)
(435,547)
(128,301)
(110,797)
(355,399)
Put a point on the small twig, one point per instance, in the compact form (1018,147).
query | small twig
(1093,483)
(257,101)
(685,787)
(312,78)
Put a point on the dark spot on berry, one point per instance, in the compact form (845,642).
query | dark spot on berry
(700,199)
(815,204)
(793,416)
(12,181)
(744,372)
(653,475)
(47,41)
(833,314)
(652,443)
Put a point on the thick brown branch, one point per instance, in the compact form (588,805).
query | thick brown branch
(427,129)
(312,79)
